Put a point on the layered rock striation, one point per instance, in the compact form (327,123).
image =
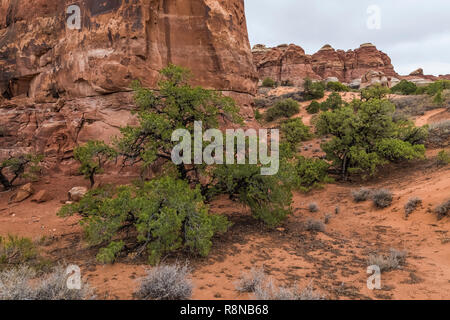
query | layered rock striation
(61,85)
(289,62)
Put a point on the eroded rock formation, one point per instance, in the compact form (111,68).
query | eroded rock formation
(283,63)
(61,86)
(291,63)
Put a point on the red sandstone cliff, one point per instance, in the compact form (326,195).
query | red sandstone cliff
(291,63)
(59,87)
(283,63)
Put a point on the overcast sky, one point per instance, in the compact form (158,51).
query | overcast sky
(414,33)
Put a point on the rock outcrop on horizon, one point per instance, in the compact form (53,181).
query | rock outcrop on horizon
(283,63)
(359,68)
(60,87)
(346,66)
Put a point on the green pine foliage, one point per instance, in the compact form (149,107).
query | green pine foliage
(443,158)
(177,106)
(282,109)
(438,99)
(25,166)
(310,174)
(337,87)
(93,156)
(404,87)
(295,131)
(334,101)
(438,86)
(269,83)
(374,92)
(366,138)
(314,107)
(166,214)
(313,90)
(268,197)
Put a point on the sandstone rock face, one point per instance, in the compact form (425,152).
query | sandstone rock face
(419,76)
(23,193)
(286,62)
(367,58)
(77,193)
(61,86)
(326,63)
(54,129)
(372,78)
(119,41)
(418,72)
(42,196)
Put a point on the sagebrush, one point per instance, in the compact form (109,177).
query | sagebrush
(21,283)
(166,282)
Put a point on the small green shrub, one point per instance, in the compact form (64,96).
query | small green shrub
(166,214)
(313,108)
(443,158)
(269,83)
(337,87)
(438,99)
(374,92)
(313,90)
(258,115)
(93,156)
(438,86)
(295,131)
(21,166)
(282,109)
(333,102)
(310,174)
(404,87)
(366,138)
(269,197)
(16,251)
